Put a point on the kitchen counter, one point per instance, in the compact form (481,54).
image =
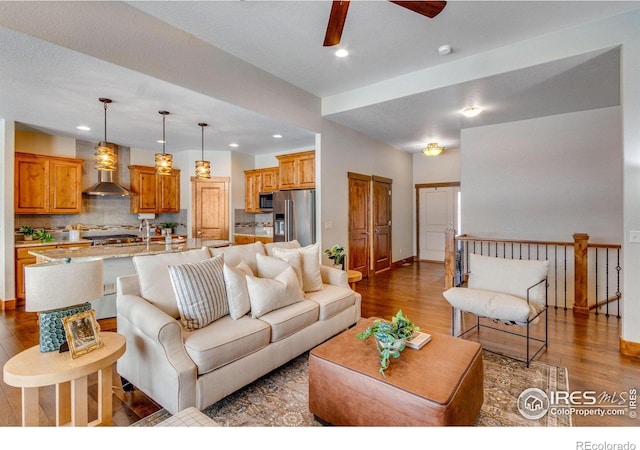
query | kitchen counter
(36,243)
(122,250)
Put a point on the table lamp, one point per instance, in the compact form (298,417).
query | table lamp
(61,289)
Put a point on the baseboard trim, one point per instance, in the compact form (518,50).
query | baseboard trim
(402,262)
(629,348)
(6,305)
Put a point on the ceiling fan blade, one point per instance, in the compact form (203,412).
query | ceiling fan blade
(336,22)
(429,9)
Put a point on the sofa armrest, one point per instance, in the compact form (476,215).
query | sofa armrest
(336,277)
(155,360)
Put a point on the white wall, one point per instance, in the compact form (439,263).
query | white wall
(344,150)
(7,271)
(545,178)
(437,169)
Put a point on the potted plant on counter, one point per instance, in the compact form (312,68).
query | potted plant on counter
(167,227)
(42,235)
(27,231)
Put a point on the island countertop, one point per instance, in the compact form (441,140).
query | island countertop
(123,250)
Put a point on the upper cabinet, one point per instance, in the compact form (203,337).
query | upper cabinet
(297,170)
(47,184)
(256,181)
(154,193)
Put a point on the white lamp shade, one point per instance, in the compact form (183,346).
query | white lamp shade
(57,285)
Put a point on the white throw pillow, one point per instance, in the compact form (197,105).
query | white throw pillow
(294,259)
(267,294)
(237,293)
(270,267)
(235,254)
(268,247)
(310,265)
(200,291)
(511,276)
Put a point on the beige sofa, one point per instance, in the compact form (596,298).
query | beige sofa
(180,368)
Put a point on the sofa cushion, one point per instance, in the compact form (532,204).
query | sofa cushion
(291,319)
(510,276)
(224,341)
(332,300)
(268,247)
(237,293)
(153,277)
(310,265)
(200,291)
(267,294)
(495,305)
(235,254)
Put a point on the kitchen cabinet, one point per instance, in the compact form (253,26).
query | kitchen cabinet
(154,193)
(23,258)
(240,239)
(256,181)
(297,170)
(47,184)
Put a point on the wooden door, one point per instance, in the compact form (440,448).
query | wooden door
(381,224)
(437,210)
(358,257)
(210,208)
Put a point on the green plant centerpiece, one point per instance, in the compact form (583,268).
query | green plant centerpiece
(27,231)
(336,254)
(391,337)
(42,235)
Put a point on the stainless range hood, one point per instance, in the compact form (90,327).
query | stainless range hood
(106,186)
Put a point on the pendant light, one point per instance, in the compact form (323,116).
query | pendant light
(164,161)
(203,168)
(106,152)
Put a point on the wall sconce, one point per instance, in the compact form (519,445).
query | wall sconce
(432,149)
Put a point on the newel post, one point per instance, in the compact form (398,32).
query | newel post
(449,257)
(581,300)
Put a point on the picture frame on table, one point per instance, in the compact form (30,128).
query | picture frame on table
(83,333)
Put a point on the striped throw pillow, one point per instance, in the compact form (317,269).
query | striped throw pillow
(200,291)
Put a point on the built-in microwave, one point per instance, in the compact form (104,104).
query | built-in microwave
(265,202)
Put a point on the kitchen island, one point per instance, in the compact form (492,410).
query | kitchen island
(118,262)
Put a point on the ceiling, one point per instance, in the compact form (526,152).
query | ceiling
(50,85)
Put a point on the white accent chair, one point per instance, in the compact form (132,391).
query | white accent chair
(507,291)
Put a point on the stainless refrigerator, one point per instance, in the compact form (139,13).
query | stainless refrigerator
(294,216)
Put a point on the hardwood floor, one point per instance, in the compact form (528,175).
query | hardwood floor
(587,346)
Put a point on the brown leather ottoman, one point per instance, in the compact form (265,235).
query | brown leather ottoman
(440,384)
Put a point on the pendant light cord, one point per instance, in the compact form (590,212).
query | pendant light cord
(105,121)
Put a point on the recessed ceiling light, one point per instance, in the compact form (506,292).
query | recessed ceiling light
(234,145)
(472,111)
(276,136)
(83,128)
(341,53)
(160,141)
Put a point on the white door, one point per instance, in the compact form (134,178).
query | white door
(437,211)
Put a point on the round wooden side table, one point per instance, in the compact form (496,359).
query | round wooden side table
(32,369)
(354,277)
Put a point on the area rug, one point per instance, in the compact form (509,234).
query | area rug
(280,399)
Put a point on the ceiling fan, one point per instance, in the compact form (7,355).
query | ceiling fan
(339,14)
